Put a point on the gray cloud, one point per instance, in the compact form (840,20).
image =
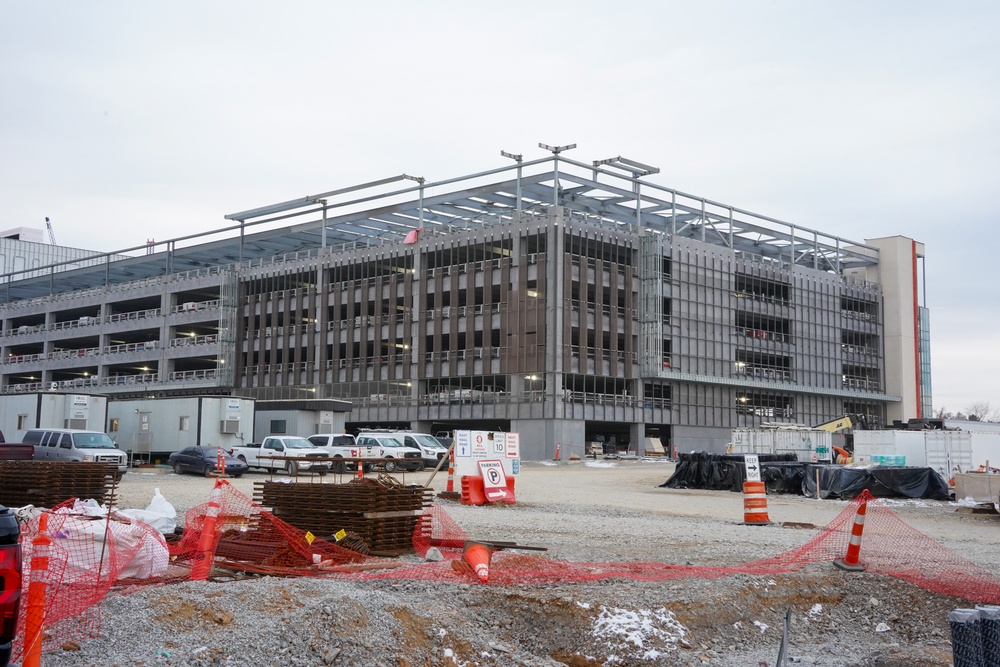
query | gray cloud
(128,121)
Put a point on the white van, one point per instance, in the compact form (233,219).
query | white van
(66,444)
(431,449)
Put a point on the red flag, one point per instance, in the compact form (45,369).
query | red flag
(411,236)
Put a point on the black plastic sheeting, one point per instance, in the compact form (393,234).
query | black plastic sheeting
(783,473)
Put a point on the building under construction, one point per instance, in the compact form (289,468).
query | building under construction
(571,302)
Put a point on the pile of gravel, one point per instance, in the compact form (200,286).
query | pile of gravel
(838,619)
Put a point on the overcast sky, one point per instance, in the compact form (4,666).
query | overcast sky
(127,121)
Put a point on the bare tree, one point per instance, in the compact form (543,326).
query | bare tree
(981,412)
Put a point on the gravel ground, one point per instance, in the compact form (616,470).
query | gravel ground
(581,511)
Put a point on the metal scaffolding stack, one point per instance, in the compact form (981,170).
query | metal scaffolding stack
(48,483)
(381,511)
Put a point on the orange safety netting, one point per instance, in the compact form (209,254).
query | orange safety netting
(88,557)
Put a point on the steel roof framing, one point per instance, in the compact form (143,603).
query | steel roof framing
(364,215)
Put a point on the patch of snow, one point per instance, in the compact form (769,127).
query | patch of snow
(650,632)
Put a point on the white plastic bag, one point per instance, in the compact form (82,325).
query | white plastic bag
(159,513)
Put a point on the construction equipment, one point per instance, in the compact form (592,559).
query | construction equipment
(857,422)
(52,234)
(843,423)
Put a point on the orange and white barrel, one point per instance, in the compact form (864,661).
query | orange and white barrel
(755,504)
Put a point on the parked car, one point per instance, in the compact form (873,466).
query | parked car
(204,461)
(10,581)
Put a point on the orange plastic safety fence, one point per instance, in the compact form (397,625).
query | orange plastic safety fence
(248,539)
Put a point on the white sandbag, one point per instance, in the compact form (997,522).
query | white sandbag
(82,541)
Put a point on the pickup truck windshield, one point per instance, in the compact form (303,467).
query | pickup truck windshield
(298,443)
(93,441)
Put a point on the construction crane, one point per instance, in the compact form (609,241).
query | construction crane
(52,234)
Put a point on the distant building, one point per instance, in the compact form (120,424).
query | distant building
(569,302)
(24,254)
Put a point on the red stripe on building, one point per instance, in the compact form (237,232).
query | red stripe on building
(916,332)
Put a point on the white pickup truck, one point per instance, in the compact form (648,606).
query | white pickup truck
(288,453)
(345,446)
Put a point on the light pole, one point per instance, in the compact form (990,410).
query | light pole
(556,150)
(516,157)
(531,380)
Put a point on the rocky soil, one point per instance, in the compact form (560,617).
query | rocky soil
(581,511)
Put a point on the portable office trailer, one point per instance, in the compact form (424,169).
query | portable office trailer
(153,428)
(299,417)
(20,412)
(808,445)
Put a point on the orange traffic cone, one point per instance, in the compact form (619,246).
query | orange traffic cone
(477,555)
(35,612)
(851,561)
(209,538)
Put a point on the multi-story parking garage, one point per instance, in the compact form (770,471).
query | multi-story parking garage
(570,302)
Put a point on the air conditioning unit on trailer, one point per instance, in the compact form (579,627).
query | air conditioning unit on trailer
(229,426)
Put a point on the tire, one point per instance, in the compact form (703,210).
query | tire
(368,467)
(322,473)
(243,458)
(390,466)
(177,469)
(420,466)
(207,472)
(293,468)
(338,466)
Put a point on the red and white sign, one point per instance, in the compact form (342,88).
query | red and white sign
(494,480)
(513,445)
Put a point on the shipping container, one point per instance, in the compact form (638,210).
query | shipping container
(869,446)
(808,445)
(947,452)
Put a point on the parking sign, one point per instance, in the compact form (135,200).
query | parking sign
(494,480)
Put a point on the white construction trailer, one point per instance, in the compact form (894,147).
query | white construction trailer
(150,429)
(51,409)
